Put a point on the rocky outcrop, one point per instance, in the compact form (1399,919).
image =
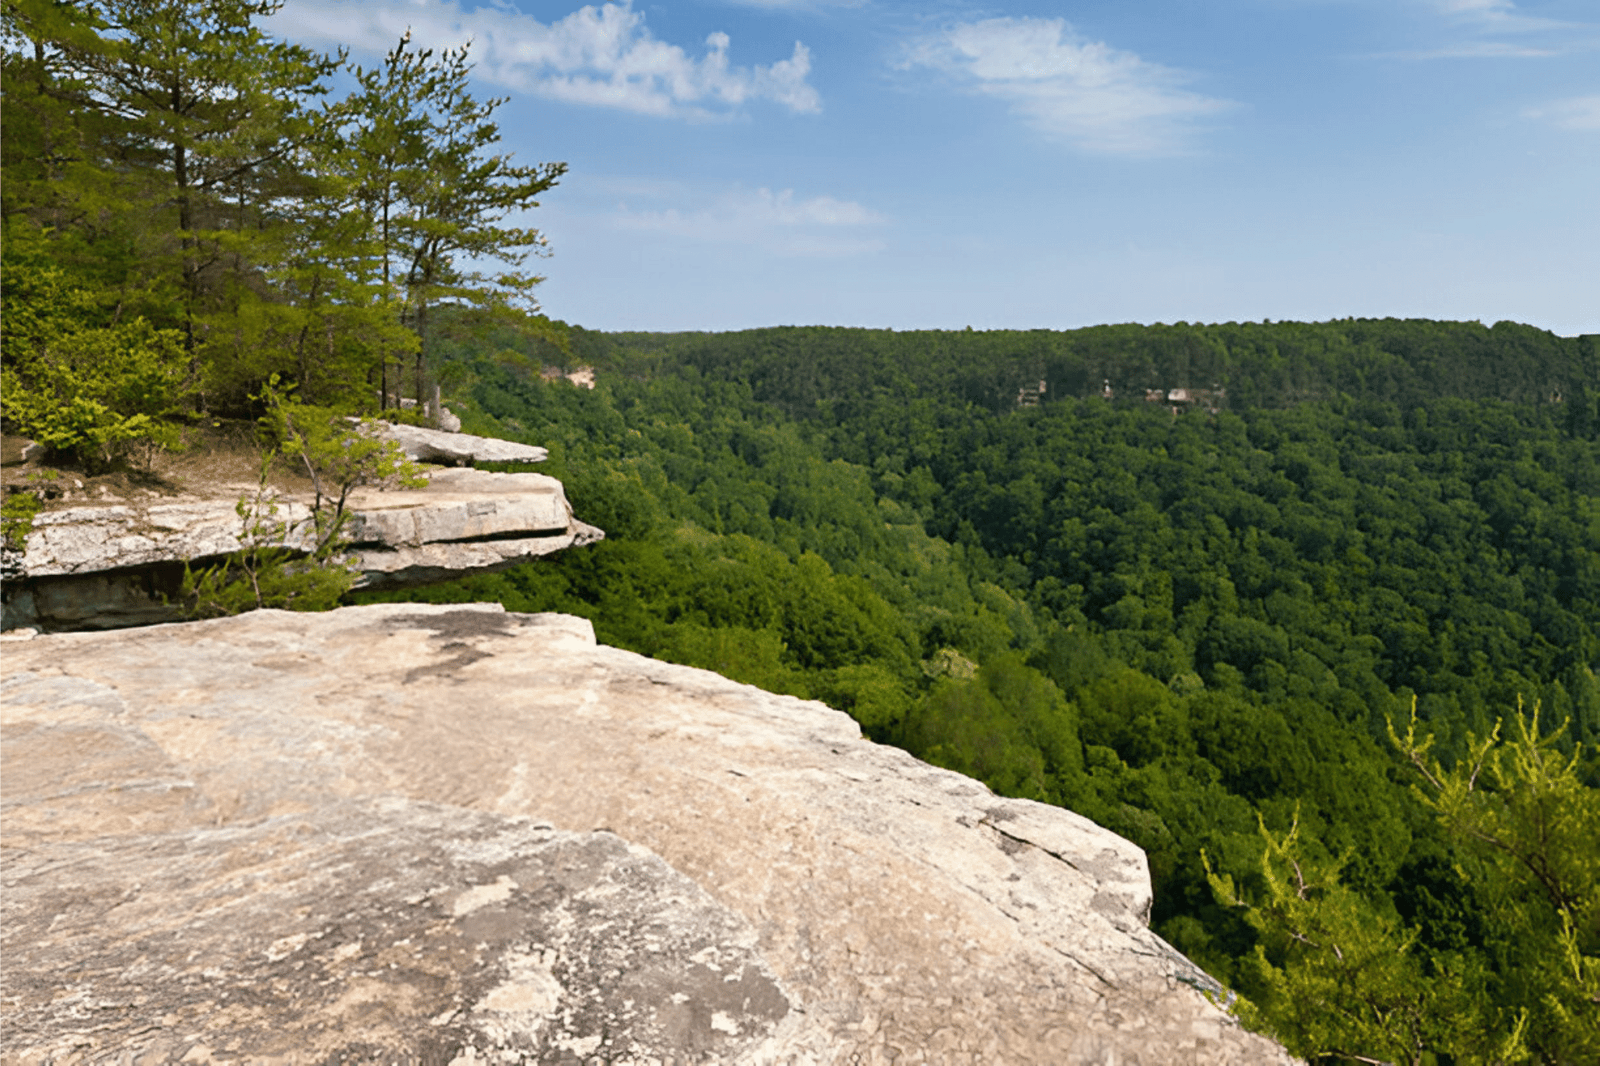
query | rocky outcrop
(449,448)
(108,565)
(443,417)
(465,521)
(451,834)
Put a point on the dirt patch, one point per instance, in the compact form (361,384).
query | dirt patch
(218,459)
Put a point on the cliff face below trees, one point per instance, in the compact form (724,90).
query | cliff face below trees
(406,833)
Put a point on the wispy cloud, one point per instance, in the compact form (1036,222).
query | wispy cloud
(1476,8)
(1573,113)
(1499,14)
(1480,50)
(779,222)
(601,56)
(1099,98)
(1498,29)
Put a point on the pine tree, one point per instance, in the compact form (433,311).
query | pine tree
(438,192)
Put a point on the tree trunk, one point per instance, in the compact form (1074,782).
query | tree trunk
(422,333)
(383,356)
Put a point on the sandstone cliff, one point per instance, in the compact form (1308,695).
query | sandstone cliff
(107,563)
(454,835)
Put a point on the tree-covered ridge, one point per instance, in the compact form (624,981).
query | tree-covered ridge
(1196,629)
(813,372)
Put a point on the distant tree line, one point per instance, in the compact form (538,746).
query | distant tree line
(809,371)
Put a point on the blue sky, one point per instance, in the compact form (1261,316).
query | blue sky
(1020,165)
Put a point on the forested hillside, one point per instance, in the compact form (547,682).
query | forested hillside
(1205,629)
(1274,601)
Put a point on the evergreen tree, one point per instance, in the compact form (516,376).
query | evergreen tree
(436,193)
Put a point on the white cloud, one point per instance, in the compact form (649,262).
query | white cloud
(601,56)
(1480,50)
(1476,8)
(819,226)
(1498,29)
(1574,113)
(1495,15)
(1100,98)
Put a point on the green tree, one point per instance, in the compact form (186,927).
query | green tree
(1528,827)
(202,113)
(1336,978)
(300,562)
(385,127)
(270,569)
(337,456)
(437,192)
(52,175)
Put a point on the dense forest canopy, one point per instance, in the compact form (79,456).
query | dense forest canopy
(1404,362)
(1205,619)
(1276,601)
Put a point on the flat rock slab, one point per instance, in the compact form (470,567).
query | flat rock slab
(425,564)
(90,538)
(459,504)
(370,930)
(441,446)
(199,818)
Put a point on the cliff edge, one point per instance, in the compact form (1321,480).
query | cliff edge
(101,559)
(405,833)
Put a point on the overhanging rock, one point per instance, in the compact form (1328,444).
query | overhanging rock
(464,522)
(110,565)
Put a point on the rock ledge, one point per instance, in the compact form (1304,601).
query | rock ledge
(106,566)
(405,833)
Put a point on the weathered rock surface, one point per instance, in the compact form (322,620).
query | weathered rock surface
(106,566)
(443,834)
(19,449)
(447,419)
(369,929)
(444,446)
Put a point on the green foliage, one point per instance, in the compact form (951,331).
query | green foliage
(337,456)
(754,656)
(1337,979)
(818,373)
(1341,975)
(271,569)
(16,517)
(1527,827)
(74,382)
(299,562)
(1009,726)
